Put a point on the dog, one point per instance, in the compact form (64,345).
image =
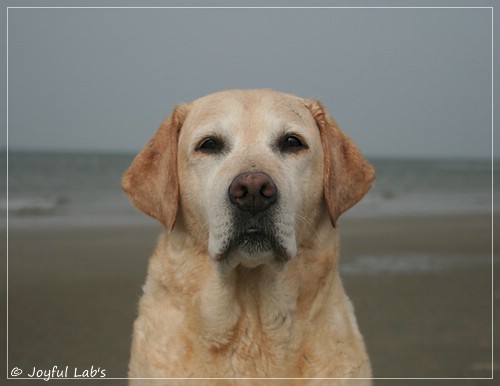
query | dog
(244,281)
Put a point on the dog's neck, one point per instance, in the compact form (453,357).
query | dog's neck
(222,303)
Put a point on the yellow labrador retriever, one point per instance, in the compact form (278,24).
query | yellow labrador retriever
(244,281)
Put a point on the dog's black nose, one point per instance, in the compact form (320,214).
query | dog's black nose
(253,192)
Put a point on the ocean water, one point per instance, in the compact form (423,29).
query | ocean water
(65,190)
(425,187)
(84,189)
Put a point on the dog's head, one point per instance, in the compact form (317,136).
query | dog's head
(248,174)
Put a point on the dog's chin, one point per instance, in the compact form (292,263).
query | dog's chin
(253,248)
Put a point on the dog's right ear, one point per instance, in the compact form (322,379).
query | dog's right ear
(151,182)
(347,174)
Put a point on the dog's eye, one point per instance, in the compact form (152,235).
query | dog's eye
(210,145)
(292,143)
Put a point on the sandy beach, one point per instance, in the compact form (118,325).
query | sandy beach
(73,292)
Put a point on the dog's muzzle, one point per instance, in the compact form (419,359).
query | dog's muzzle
(253,231)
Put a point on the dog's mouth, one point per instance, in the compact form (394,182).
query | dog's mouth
(254,241)
(254,238)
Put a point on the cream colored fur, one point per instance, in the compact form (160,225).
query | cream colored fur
(205,313)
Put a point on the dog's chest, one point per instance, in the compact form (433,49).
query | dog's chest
(266,337)
(262,347)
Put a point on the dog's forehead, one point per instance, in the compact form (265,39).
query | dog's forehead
(244,109)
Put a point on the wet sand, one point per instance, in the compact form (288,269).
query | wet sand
(73,296)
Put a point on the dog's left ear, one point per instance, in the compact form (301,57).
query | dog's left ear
(151,182)
(347,174)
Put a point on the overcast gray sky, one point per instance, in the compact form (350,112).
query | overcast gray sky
(411,82)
